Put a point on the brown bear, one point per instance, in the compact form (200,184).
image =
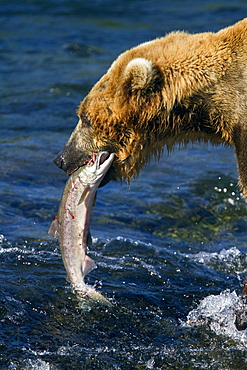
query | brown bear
(175,89)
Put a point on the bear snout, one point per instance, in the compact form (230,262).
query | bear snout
(69,161)
(59,161)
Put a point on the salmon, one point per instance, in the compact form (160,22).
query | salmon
(71,225)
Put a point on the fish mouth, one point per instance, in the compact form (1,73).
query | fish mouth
(99,160)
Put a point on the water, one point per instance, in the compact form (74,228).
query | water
(170,249)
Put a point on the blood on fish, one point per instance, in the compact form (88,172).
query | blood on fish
(71,214)
(74,185)
(73,221)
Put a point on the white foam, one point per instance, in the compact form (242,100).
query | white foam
(223,255)
(32,365)
(218,312)
(2,238)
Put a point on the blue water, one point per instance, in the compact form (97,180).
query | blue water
(175,236)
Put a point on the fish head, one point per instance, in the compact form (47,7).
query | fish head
(97,167)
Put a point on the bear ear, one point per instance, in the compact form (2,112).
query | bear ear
(140,74)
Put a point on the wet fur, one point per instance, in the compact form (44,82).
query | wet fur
(174,89)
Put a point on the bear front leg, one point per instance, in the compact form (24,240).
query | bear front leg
(240,143)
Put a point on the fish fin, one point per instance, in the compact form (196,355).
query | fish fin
(53,229)
(83,196)
(94,202)
(88,265)
(89,239)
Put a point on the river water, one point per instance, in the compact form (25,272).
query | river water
(170,248)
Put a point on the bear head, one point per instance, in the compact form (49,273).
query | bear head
(158,93)
(121,114)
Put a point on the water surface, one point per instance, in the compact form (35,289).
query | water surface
(174,237)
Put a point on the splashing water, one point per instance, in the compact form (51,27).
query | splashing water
(220,313)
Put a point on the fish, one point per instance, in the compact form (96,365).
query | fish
(71,225)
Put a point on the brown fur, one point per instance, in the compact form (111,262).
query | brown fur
(174,89)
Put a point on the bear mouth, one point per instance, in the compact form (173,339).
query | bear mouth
(104,156)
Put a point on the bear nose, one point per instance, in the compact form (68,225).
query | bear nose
(59,161)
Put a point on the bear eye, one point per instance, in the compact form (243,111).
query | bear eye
(85,121)
(103,85)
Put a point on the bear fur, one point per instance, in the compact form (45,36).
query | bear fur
(175,89)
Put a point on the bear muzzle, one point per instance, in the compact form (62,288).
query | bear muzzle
(60,161)
(70,162)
